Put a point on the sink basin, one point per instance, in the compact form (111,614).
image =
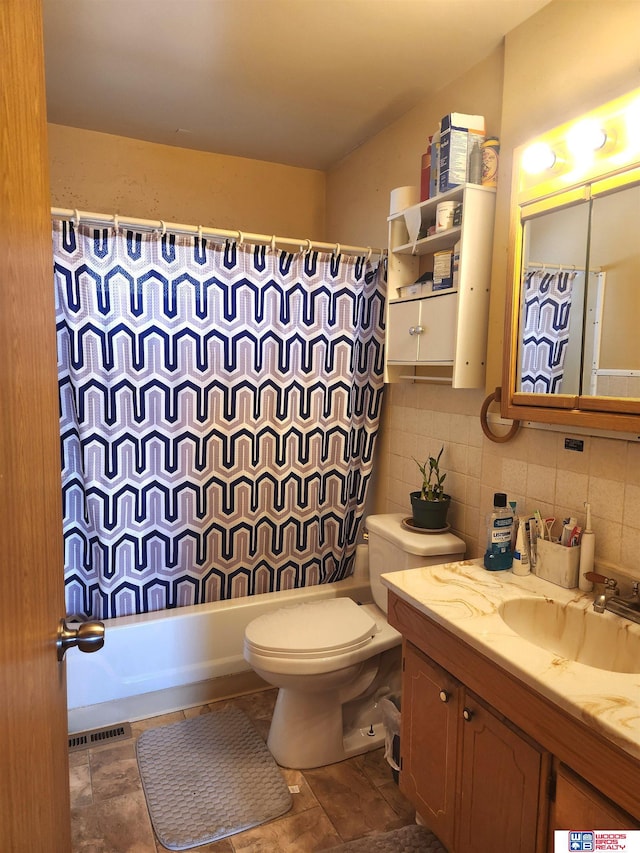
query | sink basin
(600,640)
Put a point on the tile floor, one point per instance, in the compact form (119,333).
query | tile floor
(337,803)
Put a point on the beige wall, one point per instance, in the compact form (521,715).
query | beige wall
(113,174)
(570,57)
(358,188)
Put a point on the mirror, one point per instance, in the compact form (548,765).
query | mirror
(552,297)
(615,251)
(572,346)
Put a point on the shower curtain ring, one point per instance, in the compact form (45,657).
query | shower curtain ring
(200,233)
(273,243)
(164,228)
(369,252)
(115,222)
(240,238)
(336,251)
(76,217)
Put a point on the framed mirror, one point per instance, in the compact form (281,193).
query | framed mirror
(572,342)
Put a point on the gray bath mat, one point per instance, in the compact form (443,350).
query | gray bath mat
(409,839)
(209,777)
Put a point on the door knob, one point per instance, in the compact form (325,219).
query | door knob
(88,637)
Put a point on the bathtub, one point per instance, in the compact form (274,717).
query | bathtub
(172,659)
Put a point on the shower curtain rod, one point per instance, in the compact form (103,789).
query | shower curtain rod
(536,265)
(116,221)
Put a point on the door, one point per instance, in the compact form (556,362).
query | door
(579,806)
(428,741)
(502,773)
(34,776)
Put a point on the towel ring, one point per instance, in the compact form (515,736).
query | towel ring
(499,439)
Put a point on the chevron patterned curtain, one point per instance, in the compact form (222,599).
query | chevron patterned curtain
(547,307)
(219,406)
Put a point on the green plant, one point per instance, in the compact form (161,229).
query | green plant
(432,488)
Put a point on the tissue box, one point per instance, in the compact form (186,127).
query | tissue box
(455,130)
(557,563)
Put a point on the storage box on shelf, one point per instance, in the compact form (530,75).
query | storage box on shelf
(441,336)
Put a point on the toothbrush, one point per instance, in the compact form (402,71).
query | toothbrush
(539,524)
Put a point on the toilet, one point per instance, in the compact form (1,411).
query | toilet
(333,660)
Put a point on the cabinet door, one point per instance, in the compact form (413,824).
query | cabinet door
(500,785)
(579,806)
(403,342)
(431,707)
(423,331)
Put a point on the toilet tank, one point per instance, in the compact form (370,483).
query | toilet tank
(393,548)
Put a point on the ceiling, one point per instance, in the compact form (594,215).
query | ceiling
(298,82)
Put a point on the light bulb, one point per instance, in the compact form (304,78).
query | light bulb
(585,137)
(538,158)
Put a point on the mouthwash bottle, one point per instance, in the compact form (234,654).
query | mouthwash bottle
(498,555)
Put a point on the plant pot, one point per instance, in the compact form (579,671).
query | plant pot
(431,515)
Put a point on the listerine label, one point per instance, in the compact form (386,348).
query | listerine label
(501,531)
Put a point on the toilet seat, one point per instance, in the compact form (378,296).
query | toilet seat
(312,630)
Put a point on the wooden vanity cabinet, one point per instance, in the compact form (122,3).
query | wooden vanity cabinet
(474,779)
(517,769)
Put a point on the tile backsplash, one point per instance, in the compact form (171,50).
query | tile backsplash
(534,468)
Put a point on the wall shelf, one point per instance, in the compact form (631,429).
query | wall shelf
(446,329)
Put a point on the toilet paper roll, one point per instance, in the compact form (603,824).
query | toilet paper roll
(403,197)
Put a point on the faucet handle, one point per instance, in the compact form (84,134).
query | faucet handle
(611,584)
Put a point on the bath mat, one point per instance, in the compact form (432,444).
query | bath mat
(209,777)
(409,839)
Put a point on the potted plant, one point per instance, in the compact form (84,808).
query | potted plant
(430,504)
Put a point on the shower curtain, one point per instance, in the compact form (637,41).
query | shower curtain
(218,406)
(547,306)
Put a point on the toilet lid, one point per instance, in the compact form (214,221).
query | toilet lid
(312,629)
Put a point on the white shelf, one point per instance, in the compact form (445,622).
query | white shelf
(427,245)
(416,334)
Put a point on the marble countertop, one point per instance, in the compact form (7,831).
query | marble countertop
(466,599)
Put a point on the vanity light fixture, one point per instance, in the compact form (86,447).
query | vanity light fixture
(537,158)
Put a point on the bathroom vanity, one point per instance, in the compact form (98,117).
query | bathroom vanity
(510,726)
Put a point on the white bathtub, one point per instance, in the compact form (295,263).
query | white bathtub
(172,659)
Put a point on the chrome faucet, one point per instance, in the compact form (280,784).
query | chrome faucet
(608,587)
